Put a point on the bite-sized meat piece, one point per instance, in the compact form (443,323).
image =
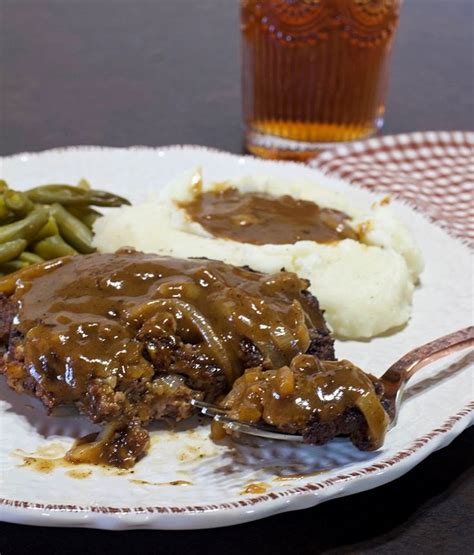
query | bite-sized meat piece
(130,338)
(350,423)
(317,399)
(116,445)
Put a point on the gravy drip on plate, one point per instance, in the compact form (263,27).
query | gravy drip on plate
(263,219)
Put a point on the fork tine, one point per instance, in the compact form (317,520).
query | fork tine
(221,415)
(255,429)
(207,409)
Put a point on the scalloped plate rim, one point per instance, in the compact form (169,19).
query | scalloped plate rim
(196,517)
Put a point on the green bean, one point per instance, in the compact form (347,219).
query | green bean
(11,249)
(68,195)
(26,228)
(104,198)
(5,214)
(30,258)
(49,228)
(18,202)
(12,266)
(72,230)
(90,219)
(50,220)
(53,247)
(84,184)
(63,194)
(87,215)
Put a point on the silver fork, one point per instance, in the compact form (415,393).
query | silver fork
(394,381)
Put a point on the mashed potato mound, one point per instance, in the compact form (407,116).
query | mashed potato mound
(365,287)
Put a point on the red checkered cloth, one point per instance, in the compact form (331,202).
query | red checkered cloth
(433,170)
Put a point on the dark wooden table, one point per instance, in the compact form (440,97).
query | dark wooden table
(154,72)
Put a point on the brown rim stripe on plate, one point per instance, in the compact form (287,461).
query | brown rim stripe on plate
(416,445)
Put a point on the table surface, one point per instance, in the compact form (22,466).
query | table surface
(155,72)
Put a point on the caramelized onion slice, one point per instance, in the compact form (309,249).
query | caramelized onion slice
(375,416)
(293,341)
(196,318)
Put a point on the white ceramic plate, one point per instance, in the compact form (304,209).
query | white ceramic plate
(187,481)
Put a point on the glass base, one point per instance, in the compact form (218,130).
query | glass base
(273,147)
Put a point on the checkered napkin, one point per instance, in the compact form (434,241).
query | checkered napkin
(434,171)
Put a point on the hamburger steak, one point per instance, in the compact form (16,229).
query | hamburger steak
(129,338)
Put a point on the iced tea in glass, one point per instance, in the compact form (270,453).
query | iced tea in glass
(314,72)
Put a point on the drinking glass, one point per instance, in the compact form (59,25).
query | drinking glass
(314,72)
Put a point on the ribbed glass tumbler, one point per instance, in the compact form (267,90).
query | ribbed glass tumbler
(314,72)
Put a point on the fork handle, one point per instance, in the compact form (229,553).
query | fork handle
(428,353)
(401,371)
